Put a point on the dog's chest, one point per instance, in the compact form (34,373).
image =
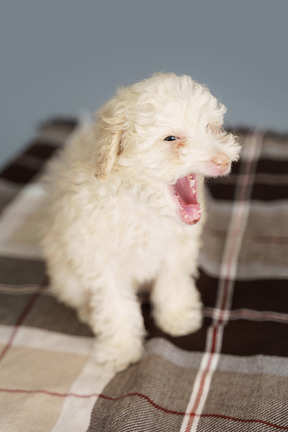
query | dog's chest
(149,240)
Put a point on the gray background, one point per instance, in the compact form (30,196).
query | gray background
(67,57)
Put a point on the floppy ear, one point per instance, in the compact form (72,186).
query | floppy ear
(108,130)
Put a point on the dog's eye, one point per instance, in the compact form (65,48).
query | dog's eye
(170,138)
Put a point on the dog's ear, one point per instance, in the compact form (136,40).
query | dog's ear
(109,127)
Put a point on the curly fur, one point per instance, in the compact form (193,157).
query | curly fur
(112,223)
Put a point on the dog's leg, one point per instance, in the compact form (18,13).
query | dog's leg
(117,322)
(176,301)
(68,289)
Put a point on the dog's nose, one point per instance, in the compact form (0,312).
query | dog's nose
(221,161)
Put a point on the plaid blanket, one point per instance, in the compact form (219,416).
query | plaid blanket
(230,375)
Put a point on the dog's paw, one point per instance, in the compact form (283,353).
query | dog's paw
(179,321)
(115,357)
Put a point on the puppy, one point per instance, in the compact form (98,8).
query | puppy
(125,207)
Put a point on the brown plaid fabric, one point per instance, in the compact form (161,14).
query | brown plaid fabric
(232,375)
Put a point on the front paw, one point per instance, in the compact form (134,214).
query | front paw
(117,355)
(179,320)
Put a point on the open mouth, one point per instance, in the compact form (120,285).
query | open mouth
(184,193)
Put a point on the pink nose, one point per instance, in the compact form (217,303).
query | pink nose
(221,161)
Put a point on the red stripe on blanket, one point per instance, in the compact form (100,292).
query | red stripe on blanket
(20,320)
(150,401)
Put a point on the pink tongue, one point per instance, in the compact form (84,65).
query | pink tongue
(183,188)
(192,210)
(189,207)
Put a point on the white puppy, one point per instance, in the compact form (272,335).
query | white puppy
(125,196)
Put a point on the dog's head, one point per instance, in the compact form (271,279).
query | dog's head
(169,127)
